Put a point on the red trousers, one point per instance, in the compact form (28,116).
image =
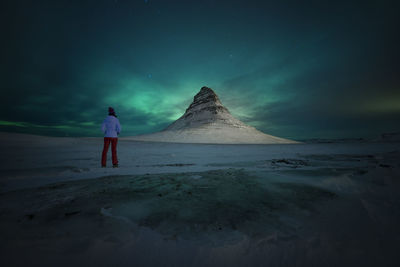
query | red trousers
(114,141)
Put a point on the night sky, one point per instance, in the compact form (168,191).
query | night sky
(295,69)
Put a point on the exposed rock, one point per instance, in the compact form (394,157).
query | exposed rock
(206,108)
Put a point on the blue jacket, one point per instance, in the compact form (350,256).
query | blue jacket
(111,127)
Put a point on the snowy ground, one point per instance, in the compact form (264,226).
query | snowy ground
(198,205)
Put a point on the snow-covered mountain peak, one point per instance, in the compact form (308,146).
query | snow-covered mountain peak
(206,108)
(205,98)
(206,120)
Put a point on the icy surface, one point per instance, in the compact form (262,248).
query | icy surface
(198,205)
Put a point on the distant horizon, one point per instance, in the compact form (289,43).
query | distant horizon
(45,134)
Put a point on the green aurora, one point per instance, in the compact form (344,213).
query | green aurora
(322,70)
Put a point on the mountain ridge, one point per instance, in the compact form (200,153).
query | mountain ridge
(205,108)
(207,120)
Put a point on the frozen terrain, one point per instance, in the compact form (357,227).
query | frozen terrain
(331,204)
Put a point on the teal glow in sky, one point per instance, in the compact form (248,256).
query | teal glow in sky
(318,70)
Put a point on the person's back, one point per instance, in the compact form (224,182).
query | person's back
(111,126)
(111,129)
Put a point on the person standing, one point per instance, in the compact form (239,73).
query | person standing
(111,129)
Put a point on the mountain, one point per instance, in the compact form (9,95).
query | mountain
(206,120)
